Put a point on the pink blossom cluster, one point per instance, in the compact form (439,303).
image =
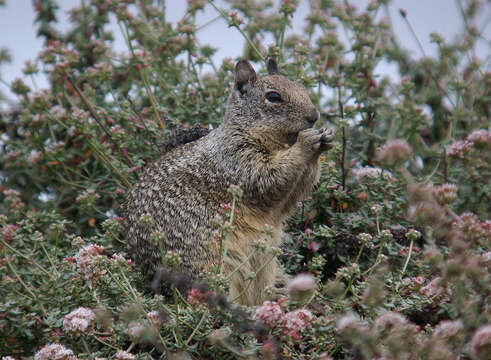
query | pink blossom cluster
(390,320)
(124,355)
(405,250)
(347,323)
(414,281)
(393,327)
(434,289)
(270,313)
(301,282)
(54,352)
(394,152)
(481,342)
(155,318)
(447,329)
(195,296)
(367,173)
(8,231)
(10,158)
(100,71)
(472,228)
(79,321)
(88,195)
(135,330)
(118,258)
(58,112)
(54,147)
(459,148)
(88,261)
(292,322)
(11,195)
(79,115)
(34,157)
(426,212)
(480,137)
(301,287)
(445,193)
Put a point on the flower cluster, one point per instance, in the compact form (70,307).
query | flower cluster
(394,152)
(301,287)
(271,314)
(80,320)
(54,352)
(89,262)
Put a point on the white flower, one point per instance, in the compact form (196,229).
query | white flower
(79,321)
(123,355)
(54,352)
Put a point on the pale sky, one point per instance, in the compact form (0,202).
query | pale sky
(18,32)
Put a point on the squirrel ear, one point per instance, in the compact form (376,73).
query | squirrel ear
(244,73)
(272,67)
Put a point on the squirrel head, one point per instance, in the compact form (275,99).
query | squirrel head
(271,105)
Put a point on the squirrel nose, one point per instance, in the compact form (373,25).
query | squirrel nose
(313,116)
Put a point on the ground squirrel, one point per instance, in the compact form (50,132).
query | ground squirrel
(266,144)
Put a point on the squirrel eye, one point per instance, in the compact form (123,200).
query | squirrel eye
(274,97)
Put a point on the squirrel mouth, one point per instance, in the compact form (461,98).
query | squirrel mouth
(292,136)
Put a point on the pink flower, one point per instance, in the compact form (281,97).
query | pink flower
(270,313)
(155,318)
(414,281)
(269,349)
(480,137)
(195,296)
(8,358)
(118,258)
(9,231)
(87,260)
(79,321)
(394,152)
(93,249)
(54,352)
(448,329)
(481,342)
(135,330)
(301,287)
(347,323)
(433,288)
(427,212)
(390,320)
(34,157)
(295,321)
(124,355)
(445,193)
(459,148)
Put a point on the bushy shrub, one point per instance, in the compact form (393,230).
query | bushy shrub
(396,236)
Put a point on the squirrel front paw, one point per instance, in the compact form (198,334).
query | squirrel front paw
(315,141)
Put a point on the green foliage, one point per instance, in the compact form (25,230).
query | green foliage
(397,232)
